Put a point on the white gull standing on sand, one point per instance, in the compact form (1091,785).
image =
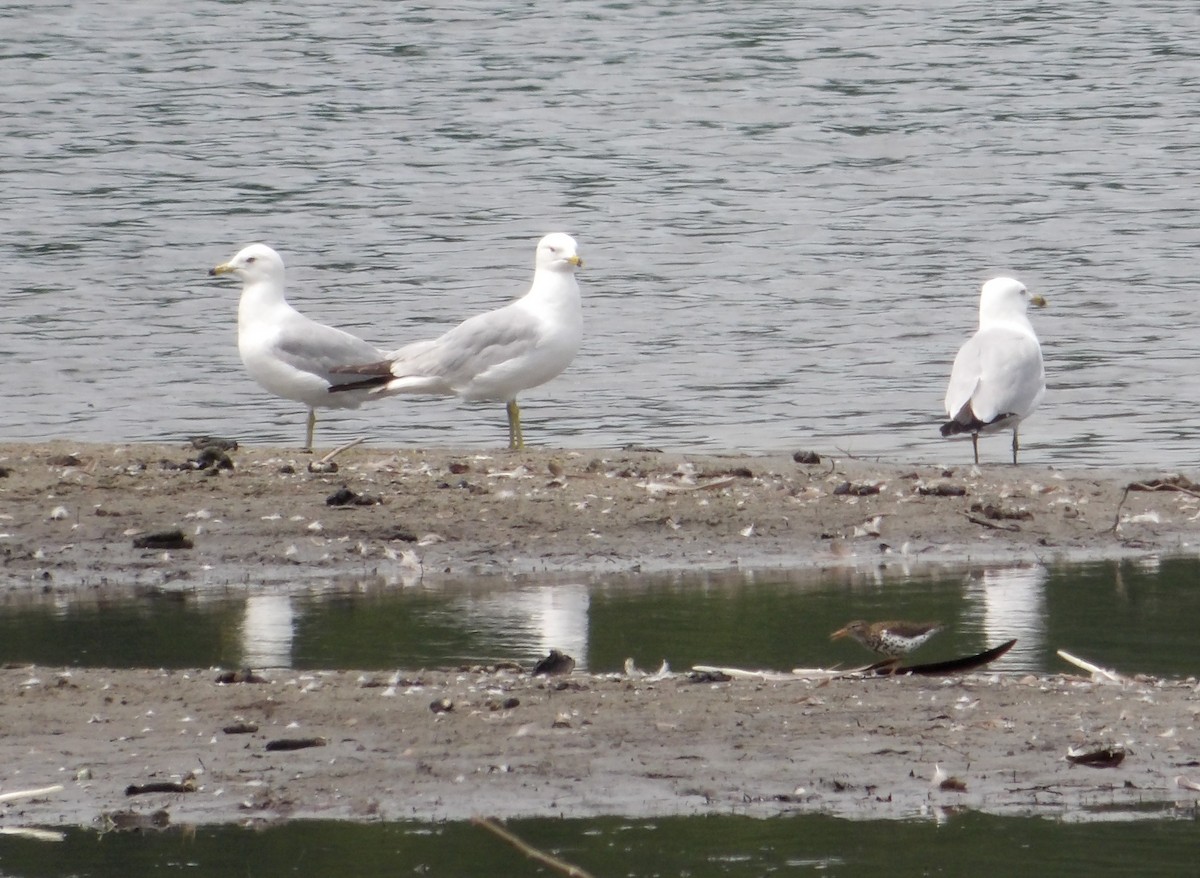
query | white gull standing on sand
(285,352)
(495,355)
(998,378)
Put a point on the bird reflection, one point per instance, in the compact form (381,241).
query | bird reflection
(531,621)
(1007,602)
(268,629)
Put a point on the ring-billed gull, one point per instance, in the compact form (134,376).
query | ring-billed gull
(498,354)
(284,351)
(998,378)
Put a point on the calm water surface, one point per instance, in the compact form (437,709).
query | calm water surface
(1134,617)
(731,847)
(786,212)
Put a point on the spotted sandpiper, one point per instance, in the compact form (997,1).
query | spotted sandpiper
(892,639)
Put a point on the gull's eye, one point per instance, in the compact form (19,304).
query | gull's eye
(250,260)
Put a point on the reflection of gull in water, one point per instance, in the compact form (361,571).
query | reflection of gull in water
(532,621)
(1008,602)
(268,627)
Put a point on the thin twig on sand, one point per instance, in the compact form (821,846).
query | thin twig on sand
(529,850)
(1117,515)
(1171,483)
(983,522)
(764,676)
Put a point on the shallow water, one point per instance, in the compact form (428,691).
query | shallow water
(1136,617)
(786,213)
(942,844)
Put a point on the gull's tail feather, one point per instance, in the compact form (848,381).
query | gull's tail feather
(374,375)
(364,384)
(973,424)
(953,428)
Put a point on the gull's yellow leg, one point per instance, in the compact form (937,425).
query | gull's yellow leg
(312,425)
(1015,446)
(516,439)
(975,446)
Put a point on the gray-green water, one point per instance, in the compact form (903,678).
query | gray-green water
(1133,616)
(786,211)
(1136,617)
(731,847)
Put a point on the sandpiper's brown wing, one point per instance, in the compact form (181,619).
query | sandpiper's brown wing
(555,663)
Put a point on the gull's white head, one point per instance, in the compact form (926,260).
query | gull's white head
(557,252)
(253,264)
(1003,298)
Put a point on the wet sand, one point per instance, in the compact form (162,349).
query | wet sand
(514,746)
(70,515)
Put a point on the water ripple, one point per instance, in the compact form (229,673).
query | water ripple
(786,214)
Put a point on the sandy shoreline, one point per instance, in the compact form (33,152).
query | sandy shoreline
(515,746)
(70,514)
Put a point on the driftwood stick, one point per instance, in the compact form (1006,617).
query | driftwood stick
(331,455)
(1094,670)
(529,850)
(31,794)
(745,674)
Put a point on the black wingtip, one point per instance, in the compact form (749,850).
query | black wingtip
(364,384)
(372,375)
(953,428)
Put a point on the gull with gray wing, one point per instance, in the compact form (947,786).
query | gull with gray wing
(496,355)
(285,352)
